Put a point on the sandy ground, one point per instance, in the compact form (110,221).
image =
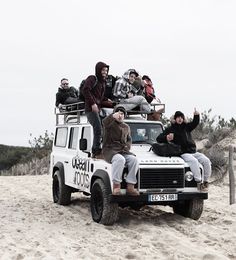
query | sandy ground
(33,227)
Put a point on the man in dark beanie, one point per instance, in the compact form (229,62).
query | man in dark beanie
(116,150)
(180,133)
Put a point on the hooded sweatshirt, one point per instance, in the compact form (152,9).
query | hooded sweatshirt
(123,87)
(182,135)
(95,94)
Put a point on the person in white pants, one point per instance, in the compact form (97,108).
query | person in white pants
(180,133)
(116,150)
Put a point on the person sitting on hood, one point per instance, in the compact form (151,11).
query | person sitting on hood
(180,133)
(116,150)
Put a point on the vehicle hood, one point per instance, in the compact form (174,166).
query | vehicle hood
(146,156)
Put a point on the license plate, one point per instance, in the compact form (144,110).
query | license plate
(162,197)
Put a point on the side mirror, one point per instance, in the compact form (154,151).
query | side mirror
(83,144)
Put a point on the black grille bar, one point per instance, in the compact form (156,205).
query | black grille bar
(161,178)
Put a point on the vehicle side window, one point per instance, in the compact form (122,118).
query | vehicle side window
(74,133)
(61,136)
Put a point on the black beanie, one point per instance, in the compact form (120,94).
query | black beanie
(120,108)
(178,114)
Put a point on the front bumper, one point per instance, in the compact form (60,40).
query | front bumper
(144,198)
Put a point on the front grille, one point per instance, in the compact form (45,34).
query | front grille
(161,178)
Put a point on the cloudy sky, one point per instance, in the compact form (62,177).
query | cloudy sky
(187,47)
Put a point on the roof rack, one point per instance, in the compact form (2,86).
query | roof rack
(71,113)
(155,107)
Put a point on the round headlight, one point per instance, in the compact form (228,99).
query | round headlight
(188,176)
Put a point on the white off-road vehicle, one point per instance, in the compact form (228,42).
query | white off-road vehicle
(160,180)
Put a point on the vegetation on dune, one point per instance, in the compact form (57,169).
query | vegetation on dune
(12,155)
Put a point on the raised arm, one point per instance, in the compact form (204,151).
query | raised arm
(196,119)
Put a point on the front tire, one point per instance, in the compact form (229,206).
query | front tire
(61,192)
(189,208)
(102,210)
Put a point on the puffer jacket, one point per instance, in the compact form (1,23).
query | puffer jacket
(182,135)
(63,94)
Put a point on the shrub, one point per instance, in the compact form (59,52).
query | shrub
(219,134)
(218,161)
(11,155)
(42,145)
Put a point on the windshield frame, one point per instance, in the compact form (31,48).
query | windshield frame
(144,132)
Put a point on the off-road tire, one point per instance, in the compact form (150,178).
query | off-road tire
(189,208)
(102,210)
(61,192)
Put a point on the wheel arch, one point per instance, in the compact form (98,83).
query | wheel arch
(101,174)
(59,167)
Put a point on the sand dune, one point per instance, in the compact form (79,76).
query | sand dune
(33,227)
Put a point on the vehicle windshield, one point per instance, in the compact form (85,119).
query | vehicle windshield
(144,133)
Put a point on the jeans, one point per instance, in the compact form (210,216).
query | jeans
(130,103)
(95,121)
(119,161)
(193,160)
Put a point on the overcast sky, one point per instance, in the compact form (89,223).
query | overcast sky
(187,47)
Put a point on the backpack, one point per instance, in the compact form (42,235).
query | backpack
(110,83)
(166,149)
(81,87)
(149,91)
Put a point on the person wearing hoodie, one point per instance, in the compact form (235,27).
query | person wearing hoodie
(180,133)
(116,150)
(94,96)
(66,94)
(126,93)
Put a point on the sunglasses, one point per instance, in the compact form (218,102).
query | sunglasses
(65,84)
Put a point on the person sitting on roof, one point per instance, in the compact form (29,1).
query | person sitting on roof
(148,89)
(66,94)
(126,93)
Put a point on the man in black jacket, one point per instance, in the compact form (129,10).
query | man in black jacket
(180,133)
(66,94)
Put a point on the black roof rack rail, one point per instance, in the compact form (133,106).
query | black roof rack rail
(68,112)
(71,113)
